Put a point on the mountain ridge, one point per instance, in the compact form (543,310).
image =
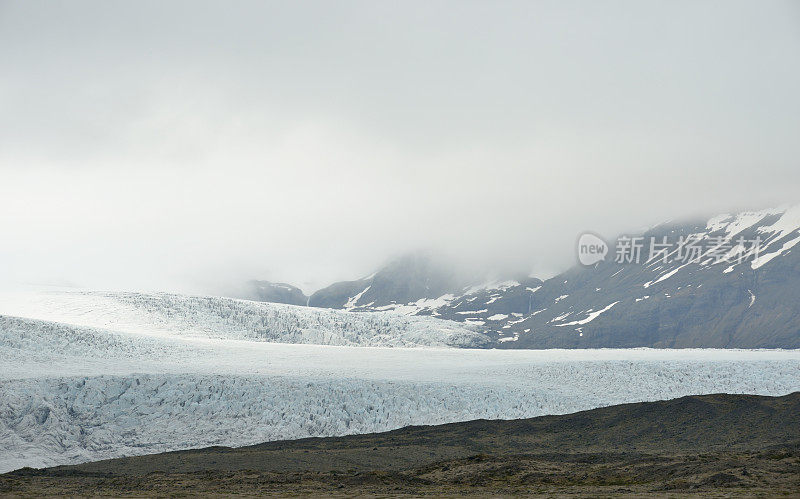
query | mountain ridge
(747,301)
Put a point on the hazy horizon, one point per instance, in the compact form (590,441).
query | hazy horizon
(192,146)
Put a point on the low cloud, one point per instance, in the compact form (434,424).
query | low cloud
(192,149)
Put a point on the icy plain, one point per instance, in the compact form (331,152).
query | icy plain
(89,376)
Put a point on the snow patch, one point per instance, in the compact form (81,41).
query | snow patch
(351,303)
(592,316)
(497,317)
(761,260)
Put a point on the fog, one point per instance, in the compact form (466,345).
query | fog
(192,145)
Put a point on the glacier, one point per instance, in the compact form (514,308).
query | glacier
(167,314)
(88,376)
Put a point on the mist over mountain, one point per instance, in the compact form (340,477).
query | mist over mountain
(725,295)
(191,149)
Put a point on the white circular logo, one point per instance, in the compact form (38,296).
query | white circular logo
(591,249)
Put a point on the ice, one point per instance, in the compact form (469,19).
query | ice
(76,394)
(71,393)
(164,314)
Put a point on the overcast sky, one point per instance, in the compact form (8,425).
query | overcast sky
(191,145)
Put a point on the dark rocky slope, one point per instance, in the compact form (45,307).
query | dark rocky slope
(732,444)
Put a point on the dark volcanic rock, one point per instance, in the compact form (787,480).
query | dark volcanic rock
(711,444)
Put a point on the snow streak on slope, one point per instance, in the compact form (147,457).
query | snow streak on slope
(590,317)
(698,295)
(73,394)
(211,317)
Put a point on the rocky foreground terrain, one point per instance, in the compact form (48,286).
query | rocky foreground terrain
(712,445)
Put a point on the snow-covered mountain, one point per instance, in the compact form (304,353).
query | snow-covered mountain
(751,299)
(418,279)
(692,298)
(420,283)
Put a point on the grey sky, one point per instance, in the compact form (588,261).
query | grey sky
(181,145)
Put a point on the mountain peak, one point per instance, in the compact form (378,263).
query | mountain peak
(738,290)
